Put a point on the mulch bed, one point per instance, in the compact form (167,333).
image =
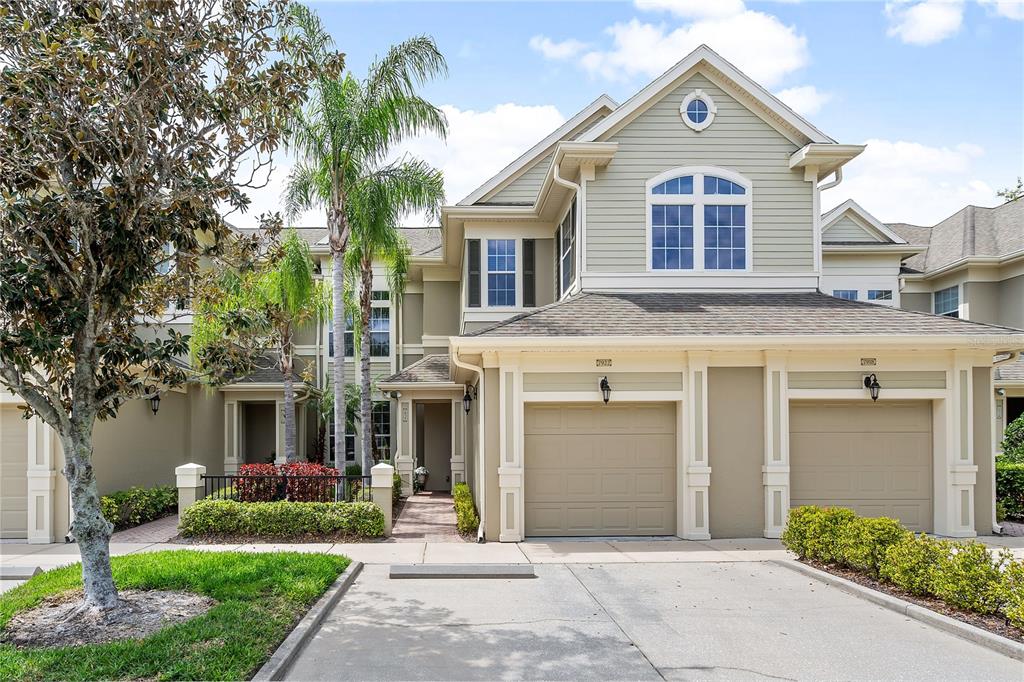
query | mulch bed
(261,540)
(994,624)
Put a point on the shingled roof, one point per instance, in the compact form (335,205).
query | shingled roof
(423,241)
(432,369)
(718,314)
(268,372)
(1011,371)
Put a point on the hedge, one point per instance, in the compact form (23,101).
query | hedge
(466,518)
(135,506)
(1010,488)
(965,575)
(228,518)
(250,486)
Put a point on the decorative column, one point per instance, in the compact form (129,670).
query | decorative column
(381,476)
(42,481)
(697,486)
(279,455)
(189,479)
(510,462)
(957,517)
(775,471)
(458,442)
(404,458)
(231,440)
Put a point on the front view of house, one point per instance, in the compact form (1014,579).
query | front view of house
(624,332)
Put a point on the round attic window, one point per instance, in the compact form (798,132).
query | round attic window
(697,110)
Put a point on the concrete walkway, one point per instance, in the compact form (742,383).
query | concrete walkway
(426,517)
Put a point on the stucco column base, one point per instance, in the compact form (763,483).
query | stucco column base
(41,484)
(189,478)
(381,477)
(698,486)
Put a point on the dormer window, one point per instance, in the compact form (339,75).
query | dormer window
(698,220)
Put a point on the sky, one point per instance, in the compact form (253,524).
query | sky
(934,88)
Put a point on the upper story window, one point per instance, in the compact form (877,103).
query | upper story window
(879,294)
(501,272)
(947,302)
(350,346)
(845,294)
(381,424)
(380,332)
(698,110)
(699,220)
(565,245)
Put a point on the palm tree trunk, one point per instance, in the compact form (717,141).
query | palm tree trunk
(365,399)
(289,407)
(338,371)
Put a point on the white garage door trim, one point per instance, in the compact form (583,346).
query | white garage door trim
(599,470)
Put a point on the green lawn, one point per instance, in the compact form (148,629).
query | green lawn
(260,596)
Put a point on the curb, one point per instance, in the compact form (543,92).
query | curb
(984,638)
(286,653)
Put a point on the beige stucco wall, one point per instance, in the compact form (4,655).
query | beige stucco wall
(920,302)
(736,451)
(982,300)
(412,318)
(306,335)
(492,417)
(984,450)
(1011,302)
(441,308)
(206,429)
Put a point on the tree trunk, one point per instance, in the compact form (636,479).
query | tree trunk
(338,373)
(365,399)
(289,408)
(91,530)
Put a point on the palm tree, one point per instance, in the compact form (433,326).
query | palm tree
(377,207)
(342,137)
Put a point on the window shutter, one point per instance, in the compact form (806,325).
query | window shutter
(473,269)
(529,273)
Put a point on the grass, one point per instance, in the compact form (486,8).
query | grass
(260,597)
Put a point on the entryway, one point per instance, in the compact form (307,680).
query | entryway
(427,516)
(434,443)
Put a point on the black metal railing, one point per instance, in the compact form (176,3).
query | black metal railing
(277,488)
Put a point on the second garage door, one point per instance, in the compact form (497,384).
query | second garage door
(600,469)
(13,479)
(875,458)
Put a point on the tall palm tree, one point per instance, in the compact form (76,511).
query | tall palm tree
(377,208)
(342,137)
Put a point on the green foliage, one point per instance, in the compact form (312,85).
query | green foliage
(908,562)
(135,506)
(1009,194)
(797,533)
(1013,441)
(396,488)
(864,541)
(227,518)
(814,532)
(1010,488)
(466,517)
(259,597)
(1011,593)
(355,469)
(967,576)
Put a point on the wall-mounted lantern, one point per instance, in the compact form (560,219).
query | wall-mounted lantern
(606,389)
(467,398)
(154,401)
(871,383)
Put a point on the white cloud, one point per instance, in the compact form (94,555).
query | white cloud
(552,50)
(694,9)
(806,100)
(900,181)
(1011,9)
(759,44)
(924,23)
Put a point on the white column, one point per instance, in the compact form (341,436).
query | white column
(775,471)
(189,481)
(279,455)
(697,486)
(510,462)
(42,481)
(955,518)
(380,489)
(404,457)
(458,443)
(231,427)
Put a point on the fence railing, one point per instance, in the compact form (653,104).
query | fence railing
(276,488)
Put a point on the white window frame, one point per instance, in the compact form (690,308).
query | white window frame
(712,110)
(856,294)
(485,272)
(959,301)
(698,200)
(560,255)
(891,292)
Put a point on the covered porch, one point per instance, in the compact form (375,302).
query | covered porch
(254,429)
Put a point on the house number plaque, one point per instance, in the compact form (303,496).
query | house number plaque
(604,362)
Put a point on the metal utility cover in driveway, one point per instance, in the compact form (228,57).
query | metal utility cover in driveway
(461,571)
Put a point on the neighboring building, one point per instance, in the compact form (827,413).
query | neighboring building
(623,333)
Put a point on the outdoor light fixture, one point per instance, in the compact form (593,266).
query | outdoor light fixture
(871,383)
(467,400)
(154,401)
(606,389)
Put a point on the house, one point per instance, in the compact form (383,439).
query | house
(631,330)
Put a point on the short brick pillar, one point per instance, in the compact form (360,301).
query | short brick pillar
(381,481)
(190,484)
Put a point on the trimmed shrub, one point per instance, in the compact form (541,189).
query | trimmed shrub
(396,488)
(251,487)
(908,562)
(824,532)
(226,518)
(466,517)
(1010,487)
(135,506)
(354,469)
(967,576)
(798,529)
(1013,441)
(864,541)
(1012,593)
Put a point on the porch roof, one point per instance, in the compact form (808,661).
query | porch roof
(269,373)
(432,369)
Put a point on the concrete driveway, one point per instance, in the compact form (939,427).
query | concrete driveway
(701,619)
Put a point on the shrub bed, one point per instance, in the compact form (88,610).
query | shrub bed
(963,575)
(466,518)
(250,486)
(228,518)
(1010,488)
(135,506)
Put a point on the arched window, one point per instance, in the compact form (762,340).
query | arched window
(698,220)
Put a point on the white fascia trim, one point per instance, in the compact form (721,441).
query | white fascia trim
(986,261)
(868,247)
(1001,343)
(706,281)
(824,159)
(853,207)
(264,387)
(705,54)
(536,151)
(423,385)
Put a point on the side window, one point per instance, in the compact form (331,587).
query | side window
(501,272)
(380,332)
(845,294)
(947,302)
(565,246)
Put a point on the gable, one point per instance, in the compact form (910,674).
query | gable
(848,229)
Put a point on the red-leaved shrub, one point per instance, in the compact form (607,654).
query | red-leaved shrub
(290,482)
(250,488)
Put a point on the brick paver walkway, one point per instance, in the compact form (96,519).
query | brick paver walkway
(160,530)
(427,516)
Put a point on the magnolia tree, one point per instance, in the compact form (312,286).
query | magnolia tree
(124,126)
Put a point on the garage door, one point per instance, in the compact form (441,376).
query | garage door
(875,458)
(600,469)
(13,478)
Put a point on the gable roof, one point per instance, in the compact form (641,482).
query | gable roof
(859,214)
(541,149)
(432,369)
(706,57)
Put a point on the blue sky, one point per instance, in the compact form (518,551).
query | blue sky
(936,88)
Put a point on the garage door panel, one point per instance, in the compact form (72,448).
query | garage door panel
(876,462)
(607,470)
(13,474)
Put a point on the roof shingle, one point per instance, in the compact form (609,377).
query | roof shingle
(432,369)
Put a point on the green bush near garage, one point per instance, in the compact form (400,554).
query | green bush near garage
(965,575)
(135,506)
(466,518)
(213,519)
(1010,487)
